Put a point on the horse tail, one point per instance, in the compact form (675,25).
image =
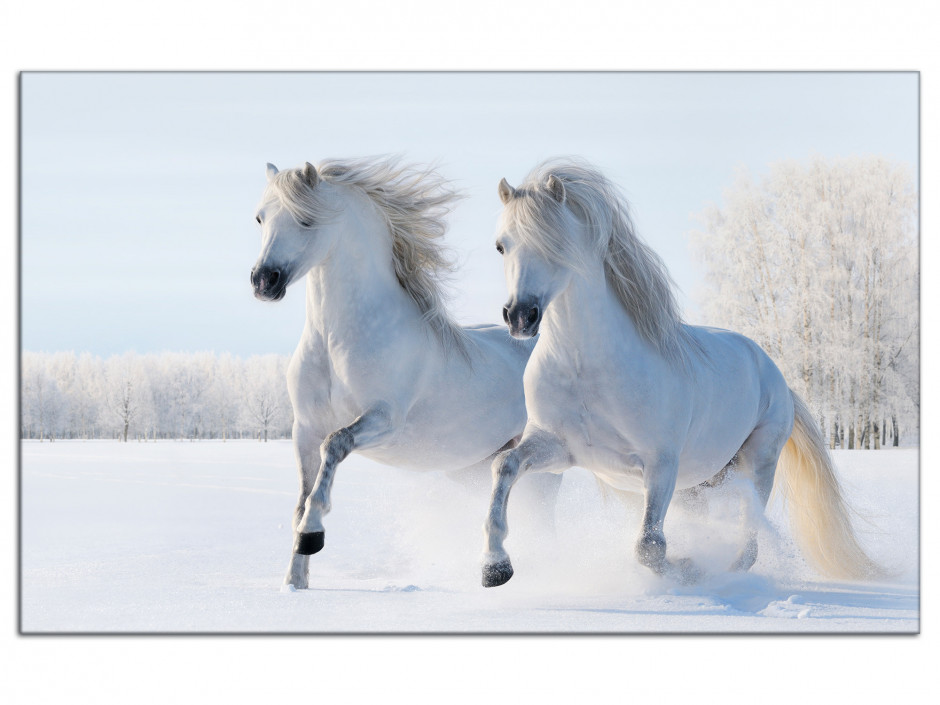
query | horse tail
(819,514)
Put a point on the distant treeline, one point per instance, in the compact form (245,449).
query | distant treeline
(150,397)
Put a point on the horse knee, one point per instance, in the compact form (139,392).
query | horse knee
(337,445)
(505,467)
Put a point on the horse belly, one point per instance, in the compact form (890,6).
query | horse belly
(618,431)
(613,466)
(411,456)
(459,413)
(431,442)
(466,413)
(456,425)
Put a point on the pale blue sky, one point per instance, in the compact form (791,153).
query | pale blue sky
(139,190)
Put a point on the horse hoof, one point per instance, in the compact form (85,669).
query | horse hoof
(496,574)
(308,544)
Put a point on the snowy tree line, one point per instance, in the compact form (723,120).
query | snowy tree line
(818,262)
(150,397)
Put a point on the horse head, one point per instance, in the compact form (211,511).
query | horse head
(535,271)
(291,240)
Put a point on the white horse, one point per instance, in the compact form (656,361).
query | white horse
(381,368)
(619,385)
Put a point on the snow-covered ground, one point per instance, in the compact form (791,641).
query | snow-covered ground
(195,537)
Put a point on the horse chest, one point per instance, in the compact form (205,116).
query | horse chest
(611,417)
(585,408)
(319,382)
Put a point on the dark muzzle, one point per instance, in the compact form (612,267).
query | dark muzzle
(268,283)
(523,318)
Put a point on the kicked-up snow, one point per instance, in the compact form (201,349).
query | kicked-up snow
(195,537)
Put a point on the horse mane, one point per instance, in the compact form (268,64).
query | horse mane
(415,202)
(635,273)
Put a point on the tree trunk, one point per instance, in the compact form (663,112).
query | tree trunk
(894,430)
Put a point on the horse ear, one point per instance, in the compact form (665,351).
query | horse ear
(271,170)
(506,192)
(556,188)
(310,175)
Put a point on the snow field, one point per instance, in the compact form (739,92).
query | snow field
(195,536)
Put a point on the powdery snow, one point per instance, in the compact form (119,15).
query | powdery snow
(195,537)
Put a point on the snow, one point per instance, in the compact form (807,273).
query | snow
(183,537)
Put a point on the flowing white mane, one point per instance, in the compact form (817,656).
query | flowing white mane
(415,202)
(635,272)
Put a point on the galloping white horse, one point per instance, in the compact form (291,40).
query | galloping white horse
(619,385)
(381,368)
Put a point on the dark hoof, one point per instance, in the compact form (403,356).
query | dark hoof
(308,544)
(496,574)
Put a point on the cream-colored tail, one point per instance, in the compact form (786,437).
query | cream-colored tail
(819,515)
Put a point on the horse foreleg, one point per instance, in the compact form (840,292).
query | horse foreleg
(659,484)
(538,452)
(368,430)
(306,450)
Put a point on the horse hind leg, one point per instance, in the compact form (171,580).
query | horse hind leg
(757,460)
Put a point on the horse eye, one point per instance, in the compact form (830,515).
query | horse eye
(499,247)
(305,224)
(258,218)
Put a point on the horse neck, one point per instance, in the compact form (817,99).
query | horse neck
(581,316)
(357,278)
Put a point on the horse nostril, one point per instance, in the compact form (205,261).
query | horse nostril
(533,315)
(251,278)
(273,277)
(506,314)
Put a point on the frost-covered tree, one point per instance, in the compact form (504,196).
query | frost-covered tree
(817,262)
(85,395)
(265,393)
(126,391)
(223,399)
(186,379)
(43,404)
